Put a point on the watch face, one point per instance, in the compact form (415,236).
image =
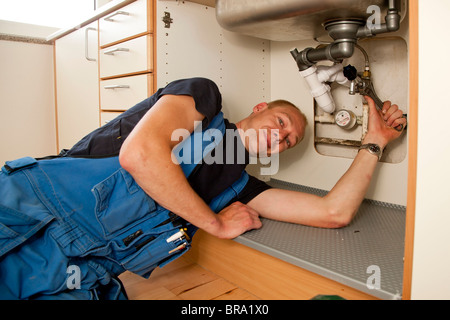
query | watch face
(374,148)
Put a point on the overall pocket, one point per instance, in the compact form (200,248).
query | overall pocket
(156,252)
(16,228)
(120,203)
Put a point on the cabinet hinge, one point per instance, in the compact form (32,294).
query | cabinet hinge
(167,19)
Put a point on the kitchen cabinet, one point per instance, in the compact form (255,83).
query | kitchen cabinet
(120,93)
(126,22)
(103,68)
(106,117)
(126,56)
(77,94)
(132,56)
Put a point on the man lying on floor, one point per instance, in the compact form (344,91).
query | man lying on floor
(130,195)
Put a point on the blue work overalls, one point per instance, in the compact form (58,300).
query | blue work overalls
(70,226)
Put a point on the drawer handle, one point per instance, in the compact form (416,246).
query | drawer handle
(109,18)
(117,86)
(114,50)
(86,44)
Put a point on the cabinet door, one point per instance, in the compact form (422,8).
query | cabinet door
(77,92)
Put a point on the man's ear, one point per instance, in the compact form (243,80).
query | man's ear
(260,107)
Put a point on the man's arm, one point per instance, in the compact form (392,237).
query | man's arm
(146,155)
(340,205)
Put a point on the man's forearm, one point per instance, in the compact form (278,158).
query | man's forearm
(334,210)
(349,192)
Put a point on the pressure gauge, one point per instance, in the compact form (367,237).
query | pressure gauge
(345,119)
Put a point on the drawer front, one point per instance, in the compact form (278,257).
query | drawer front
(108,116)
(127,57)
(124,93)
(125,22)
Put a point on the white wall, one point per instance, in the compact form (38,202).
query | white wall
(27,104)
(431,264)
(196,46)
(25,29)
(42,12)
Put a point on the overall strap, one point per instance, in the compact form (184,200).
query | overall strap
(18,164)
(191,151)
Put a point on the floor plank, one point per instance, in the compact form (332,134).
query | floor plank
(237,294)
(208,291)
(182,280)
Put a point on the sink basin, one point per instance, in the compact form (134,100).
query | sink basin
(288,20)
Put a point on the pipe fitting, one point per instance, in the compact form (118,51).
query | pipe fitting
(393,21)
(301,58)
(333,73)
(345,34)
(392,24)
(319,90)
(346,49)
(336,52)
(317,77)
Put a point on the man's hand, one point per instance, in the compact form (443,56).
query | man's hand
(236,219)
(382,123)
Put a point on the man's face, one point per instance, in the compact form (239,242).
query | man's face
(277,129)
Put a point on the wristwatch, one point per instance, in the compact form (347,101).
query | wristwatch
(373,149)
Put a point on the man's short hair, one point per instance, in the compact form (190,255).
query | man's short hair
(285,103)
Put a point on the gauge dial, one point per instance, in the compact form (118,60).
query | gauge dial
(345,119)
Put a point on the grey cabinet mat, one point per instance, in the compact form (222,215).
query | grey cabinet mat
(366,255)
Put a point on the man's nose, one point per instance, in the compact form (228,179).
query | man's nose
(280,135)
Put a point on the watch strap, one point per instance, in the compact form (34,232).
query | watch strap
(373,149)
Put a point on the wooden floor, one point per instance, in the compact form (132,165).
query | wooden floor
(182,280)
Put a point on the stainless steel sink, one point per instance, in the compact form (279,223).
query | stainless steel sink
(288,20)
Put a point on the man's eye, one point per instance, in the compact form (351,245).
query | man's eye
(281,122)
(288,142)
